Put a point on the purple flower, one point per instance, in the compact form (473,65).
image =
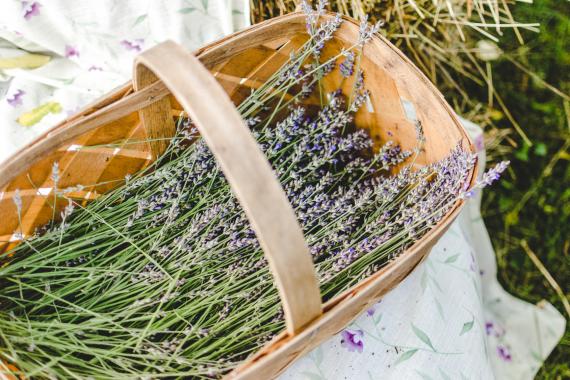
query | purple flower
(492,329)
(504,353)
(352,341)
(30,9)
(367,31)
(134,45)
(70,51)
(493,174)
(347,66)
(370,312)
(470,193)
(359,85)
(15,99)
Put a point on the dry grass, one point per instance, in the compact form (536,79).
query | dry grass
(454,42)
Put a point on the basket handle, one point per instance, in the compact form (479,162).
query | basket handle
(244,165)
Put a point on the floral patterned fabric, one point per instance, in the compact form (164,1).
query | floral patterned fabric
(450,319)
(58,55)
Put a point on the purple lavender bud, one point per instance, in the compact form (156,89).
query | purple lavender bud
(347,66)
(494,174)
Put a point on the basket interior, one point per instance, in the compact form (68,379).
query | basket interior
(99,160)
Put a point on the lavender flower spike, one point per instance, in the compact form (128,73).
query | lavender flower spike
(313,14)
(489,177)
(55,172)
(347,66)
(367,31)
(493,174)
(18,201)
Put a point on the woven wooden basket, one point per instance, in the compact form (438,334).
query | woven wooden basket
(169,80)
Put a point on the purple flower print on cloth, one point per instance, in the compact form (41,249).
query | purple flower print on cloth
(504,353)
(15,99)
(70,51)
(133,45)
(494,329)
(370,312)
(352,340)
(30,9)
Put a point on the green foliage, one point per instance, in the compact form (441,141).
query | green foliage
(533,202)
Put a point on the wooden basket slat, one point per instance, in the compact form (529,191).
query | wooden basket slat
(78,165)
(248,61)
(75,167)
(260,64)
(118,130)
(36,174)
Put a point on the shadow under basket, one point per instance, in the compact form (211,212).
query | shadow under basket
(168,81)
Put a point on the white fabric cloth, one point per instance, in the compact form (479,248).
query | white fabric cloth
(450,319)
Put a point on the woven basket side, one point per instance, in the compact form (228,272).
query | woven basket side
(98,160)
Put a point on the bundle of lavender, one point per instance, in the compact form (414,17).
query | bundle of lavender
(164,277)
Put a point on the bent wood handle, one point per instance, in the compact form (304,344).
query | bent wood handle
(244,165)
